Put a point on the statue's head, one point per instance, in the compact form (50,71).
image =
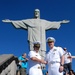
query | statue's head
(37,13)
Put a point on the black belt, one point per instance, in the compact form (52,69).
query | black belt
(54,62)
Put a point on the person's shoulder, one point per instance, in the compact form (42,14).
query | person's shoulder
(31,52)
(59,47)
(69,53)
(20,57)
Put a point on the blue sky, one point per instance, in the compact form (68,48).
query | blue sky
(14,41)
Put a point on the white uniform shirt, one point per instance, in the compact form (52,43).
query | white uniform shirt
(66,57)
(54,55)
(34,63)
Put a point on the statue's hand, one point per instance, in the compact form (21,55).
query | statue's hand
(65,21)
(6,20)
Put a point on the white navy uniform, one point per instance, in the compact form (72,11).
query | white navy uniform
(35,67)
(53,58)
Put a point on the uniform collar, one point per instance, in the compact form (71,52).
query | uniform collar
(53,48)
(36,52)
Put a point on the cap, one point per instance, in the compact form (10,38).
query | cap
(50,39)
(65,48)
(37,44)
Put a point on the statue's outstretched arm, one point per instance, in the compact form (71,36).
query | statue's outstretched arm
(20,23)
(65,21)
(17,24)
(55,24)
(52,25)
(7,20)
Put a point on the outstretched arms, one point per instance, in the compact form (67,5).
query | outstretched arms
(55,24)
(16,24)
(7,20)
(20,23)
(65,21)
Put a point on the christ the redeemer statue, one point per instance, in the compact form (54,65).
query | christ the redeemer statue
(36,29)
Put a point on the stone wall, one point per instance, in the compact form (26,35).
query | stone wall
(8,64)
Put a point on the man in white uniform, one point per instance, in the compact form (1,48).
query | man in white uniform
(68,60)
(55,58)
(35,60)
(36,29)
